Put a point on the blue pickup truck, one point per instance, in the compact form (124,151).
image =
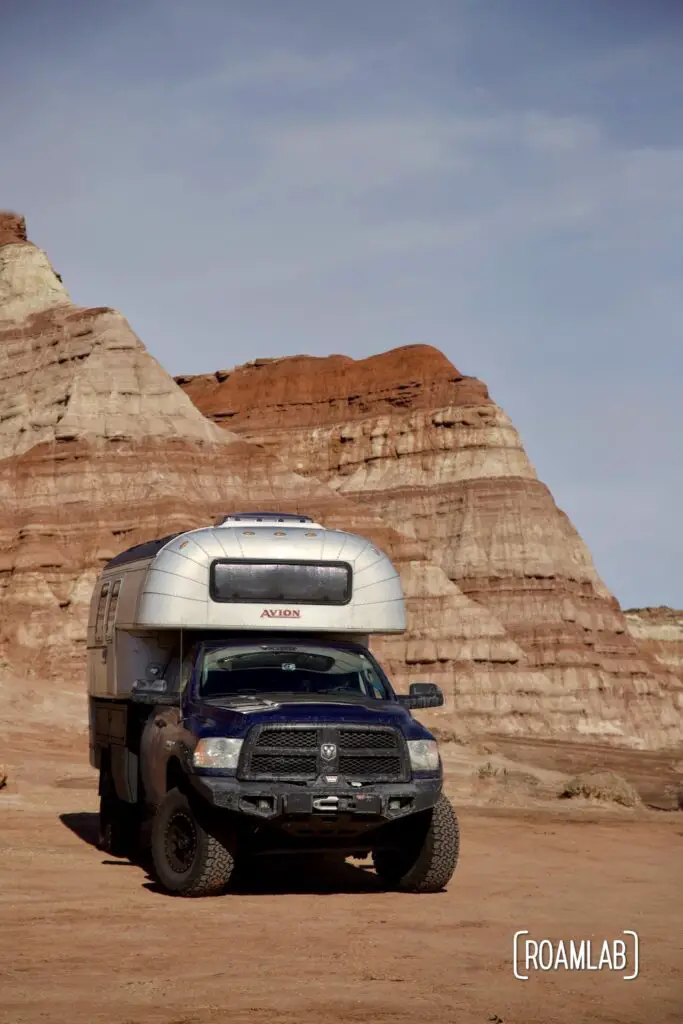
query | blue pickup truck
(237,712)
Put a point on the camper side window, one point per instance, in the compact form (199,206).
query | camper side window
(101,605)
(111,610)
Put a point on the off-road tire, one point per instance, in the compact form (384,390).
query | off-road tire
(428,864)
(209,863)
(118,822)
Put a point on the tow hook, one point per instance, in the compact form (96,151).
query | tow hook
(326,803)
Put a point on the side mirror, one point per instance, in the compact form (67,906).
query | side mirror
(422,695)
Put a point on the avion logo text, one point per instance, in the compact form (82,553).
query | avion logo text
(281,613)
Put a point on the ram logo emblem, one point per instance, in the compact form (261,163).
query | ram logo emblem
(328,751)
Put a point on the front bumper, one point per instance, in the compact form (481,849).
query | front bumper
(285,803)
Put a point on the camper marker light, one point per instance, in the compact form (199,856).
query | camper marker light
(424,755)
(217,752)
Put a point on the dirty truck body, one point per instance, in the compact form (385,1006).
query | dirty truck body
(237,711)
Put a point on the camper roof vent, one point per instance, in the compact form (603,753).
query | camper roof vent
(267,518)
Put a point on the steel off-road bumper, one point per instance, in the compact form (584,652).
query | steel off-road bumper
(285,803)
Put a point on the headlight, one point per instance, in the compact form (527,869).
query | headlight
(217,752)
(424,755)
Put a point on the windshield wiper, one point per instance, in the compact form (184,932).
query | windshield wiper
(234,693)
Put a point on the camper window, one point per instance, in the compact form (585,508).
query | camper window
(101,606)
(289,582)
(111,610)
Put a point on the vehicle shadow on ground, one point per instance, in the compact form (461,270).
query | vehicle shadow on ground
(267,877)
(84,824)
(284,877)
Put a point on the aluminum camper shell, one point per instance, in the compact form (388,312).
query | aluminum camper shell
(146,596)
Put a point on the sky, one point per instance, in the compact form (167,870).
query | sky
(502,180)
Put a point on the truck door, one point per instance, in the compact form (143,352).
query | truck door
(162,730)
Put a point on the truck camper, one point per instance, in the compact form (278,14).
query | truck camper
(236,710)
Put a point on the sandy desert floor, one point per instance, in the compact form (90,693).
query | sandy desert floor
(88,939)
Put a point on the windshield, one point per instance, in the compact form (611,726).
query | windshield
(292,668)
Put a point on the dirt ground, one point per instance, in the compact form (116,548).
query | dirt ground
(88,939)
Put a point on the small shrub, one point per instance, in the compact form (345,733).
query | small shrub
(601,785)
(445,734)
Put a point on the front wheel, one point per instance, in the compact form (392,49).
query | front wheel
(188,860)
(427,863)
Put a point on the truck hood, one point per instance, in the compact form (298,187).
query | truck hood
(234,716)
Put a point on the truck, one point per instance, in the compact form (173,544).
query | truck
(237,713)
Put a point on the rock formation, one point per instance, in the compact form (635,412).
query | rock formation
(408,437)
(660,632)
(100,449)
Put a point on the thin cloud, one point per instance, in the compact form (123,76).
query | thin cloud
(240,181)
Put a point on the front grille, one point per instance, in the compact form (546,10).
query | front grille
(293,753)
(274,752)
(364,766)
(265,766)
(289,738)
(366,739)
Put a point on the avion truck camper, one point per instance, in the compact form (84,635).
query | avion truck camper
(237,712)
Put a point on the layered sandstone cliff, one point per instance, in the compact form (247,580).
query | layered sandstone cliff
(100,449)
(408,437)
(660,632)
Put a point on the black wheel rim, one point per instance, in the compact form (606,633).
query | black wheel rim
(180,843)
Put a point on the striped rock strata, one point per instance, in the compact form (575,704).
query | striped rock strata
(100,449)
(537,643)
(660,632)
